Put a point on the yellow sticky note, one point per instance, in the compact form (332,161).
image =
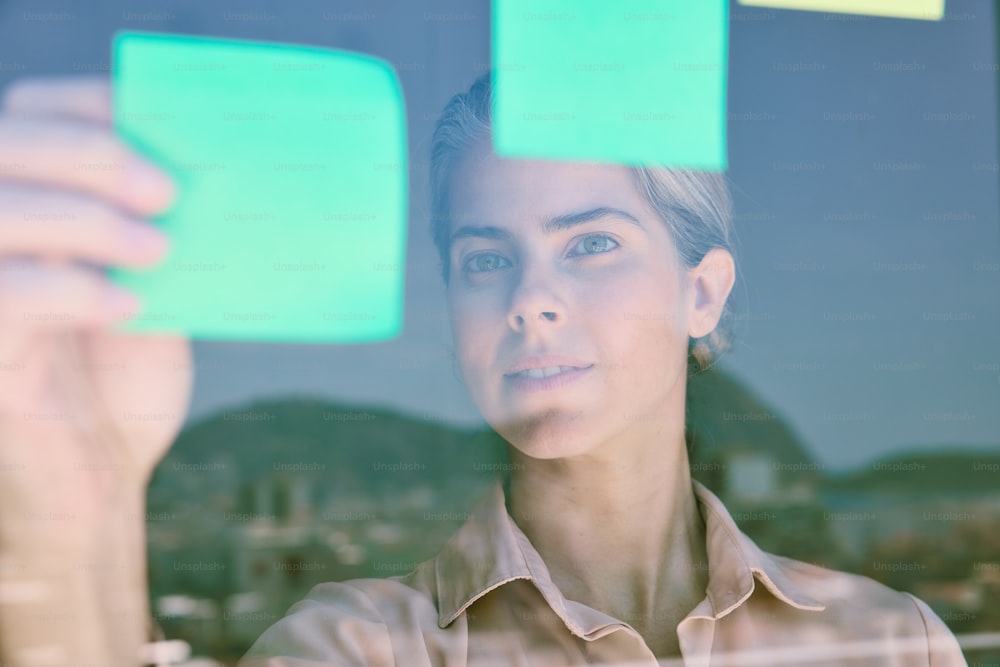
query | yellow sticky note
(928,10)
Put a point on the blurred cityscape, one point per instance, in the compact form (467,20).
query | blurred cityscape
(252,508)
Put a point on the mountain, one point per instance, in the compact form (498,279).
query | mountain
(347,450)
(724,415)
(365,451)
(948,469)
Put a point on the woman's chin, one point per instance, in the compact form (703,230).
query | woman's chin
(553,434)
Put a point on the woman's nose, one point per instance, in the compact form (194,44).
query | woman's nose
(535,302)
(519,321)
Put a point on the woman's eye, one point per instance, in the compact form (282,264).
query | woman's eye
(485,262)
(595,244)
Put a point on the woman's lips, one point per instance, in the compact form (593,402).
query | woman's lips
(565,376)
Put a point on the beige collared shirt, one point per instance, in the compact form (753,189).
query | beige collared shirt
(488,599)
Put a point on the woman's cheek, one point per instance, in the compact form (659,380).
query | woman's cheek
(474,332)
(602,293)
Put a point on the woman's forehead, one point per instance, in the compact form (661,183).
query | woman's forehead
(485,187)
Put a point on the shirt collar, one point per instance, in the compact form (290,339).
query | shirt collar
(735,561)
(490,550)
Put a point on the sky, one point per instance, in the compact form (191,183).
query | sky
(863,162)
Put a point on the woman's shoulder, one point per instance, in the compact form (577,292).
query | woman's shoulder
(837,587)
(789,601)
(856,607)
(805,586)
(369,621)
(352,622)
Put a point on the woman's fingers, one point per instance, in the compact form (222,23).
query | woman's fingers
(82,97)
(71,193)
(81,157)
(37,295)
(68,226)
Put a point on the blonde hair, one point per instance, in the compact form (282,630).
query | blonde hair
(696,206)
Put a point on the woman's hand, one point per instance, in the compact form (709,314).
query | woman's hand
(85,413)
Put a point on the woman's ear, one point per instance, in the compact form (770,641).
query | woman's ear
(709,285)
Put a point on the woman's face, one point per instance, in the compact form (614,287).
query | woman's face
(557,265)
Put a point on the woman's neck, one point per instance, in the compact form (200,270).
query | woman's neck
(621,534)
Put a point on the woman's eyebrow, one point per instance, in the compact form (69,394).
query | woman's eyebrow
(569,220)
(557,223)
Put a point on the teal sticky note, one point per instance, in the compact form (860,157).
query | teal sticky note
(638,82)
(291,165)
(928,10)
